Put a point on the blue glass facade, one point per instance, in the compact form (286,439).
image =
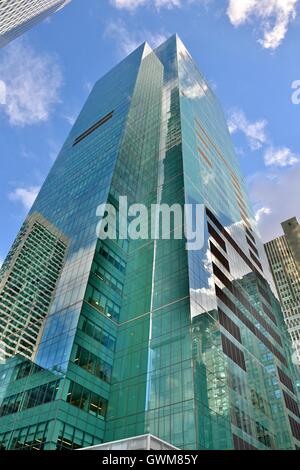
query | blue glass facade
(143,336)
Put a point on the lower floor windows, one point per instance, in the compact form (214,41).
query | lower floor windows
(43,436)
(86,400)
(29,399)
(28,438)
(98,334)
(102,303)
(93,364)
(71,438)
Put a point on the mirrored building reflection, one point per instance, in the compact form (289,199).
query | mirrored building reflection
(143,336)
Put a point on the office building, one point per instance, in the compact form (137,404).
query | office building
(284,259)
(143,336)
(17,16)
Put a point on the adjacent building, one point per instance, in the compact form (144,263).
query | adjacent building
(17,16)
(284,258)
(31,272)
(144,336)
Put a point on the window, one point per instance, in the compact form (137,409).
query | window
(72,438)
(88,401)
(98,300)
(219,256)
(29,399)
(234,353)
(240,444)
(93,364)
(229,325)
(98,334)
(91,129)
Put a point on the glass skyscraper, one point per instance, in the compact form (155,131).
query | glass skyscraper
(143,336)
(17,16)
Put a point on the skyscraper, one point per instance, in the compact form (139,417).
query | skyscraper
(145,336)
(17,16)
(31,273)
(284,258)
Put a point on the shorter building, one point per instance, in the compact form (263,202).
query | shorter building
(17,16)
(144,442)
(28,278)
(284,258)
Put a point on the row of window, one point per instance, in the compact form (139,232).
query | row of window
(253,248)
(99,334)
(225,299)
(229,325)
(240,444)
(236,382)
(264,294)
(28,438)
(234,244)
(291,404)
(29,399)
(241,420)
(269,313)
(285,380)
(26,369)
(113,258)
(260,403)
(106,277)
(102,303)
(295,427)
(250,235)
(242,299)
(234,353)
(71,438)
(36,436)
(93,364)
(91,129)
(256,261)
(214,250)
(216,236)
(86,400)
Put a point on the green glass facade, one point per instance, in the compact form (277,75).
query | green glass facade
(143,336)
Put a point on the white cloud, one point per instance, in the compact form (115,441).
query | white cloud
(128,4)
(256,135)
(26,196)
(274,17)
(281,157)
(133,4)
(275,196)
(260,213)
(70,118)
(255,132)
(33,83)
(128,41)
(167,4)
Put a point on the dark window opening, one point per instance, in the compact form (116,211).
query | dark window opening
(93,128)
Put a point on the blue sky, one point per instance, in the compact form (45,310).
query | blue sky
(247,49)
